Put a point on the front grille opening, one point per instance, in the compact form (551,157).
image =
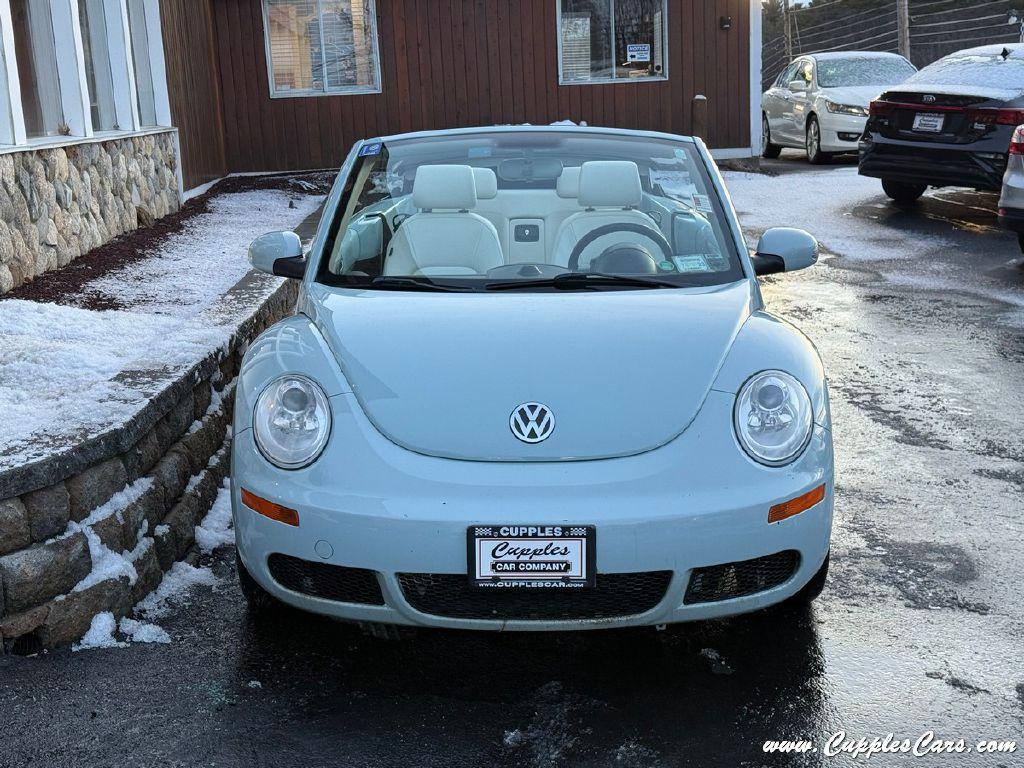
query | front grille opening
(614,595)
(331,582)
(747,577)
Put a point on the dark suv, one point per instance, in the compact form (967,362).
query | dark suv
(949,125)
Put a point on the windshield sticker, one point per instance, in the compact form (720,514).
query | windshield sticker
(702,203)
(692,263)
(373,148)
(666,266)
(673,183)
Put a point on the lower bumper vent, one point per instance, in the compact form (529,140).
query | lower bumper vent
(331,582)
(747,577)
(615,595)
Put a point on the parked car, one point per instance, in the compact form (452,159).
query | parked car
(948,125)
(1011,201)
(819,103)
(531,385)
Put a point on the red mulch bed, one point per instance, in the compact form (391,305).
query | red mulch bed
(63,286)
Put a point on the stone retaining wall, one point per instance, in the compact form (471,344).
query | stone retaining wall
(140,504)
(58,203)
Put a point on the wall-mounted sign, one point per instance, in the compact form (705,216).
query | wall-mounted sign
(638,52)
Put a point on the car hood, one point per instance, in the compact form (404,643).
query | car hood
(855,95)
(622,371)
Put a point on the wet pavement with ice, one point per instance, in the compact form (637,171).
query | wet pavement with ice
(917,313)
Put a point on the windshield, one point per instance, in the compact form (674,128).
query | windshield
(991,70)
(537,209)
(838,73)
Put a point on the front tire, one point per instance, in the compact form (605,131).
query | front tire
(768,150)
(810,591)
(813,143)
(261,603)
(903,192)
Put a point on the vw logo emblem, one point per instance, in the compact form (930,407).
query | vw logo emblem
(532,422)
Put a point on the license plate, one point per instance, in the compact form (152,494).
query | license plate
(929,121)
(531,556)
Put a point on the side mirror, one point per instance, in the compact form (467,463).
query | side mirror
(799,85)
(782,249)
(278,253)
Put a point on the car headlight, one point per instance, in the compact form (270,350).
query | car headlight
(846,109)
(292,421)
(773,418)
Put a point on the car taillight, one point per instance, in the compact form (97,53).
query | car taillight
(996,116)
(881,108)
(1017,142)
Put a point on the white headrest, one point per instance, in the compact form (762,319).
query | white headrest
(610,184)
(444,186)
(486,183)
(568,184)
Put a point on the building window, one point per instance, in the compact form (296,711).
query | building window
(317,47)
(37,69)
(145,94)
(604,41)
(93,21)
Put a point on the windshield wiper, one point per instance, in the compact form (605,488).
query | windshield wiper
(411,284)
(572,281)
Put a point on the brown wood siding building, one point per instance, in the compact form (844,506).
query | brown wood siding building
(443,63)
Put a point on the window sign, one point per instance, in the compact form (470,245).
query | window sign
(612,40)
(638,52)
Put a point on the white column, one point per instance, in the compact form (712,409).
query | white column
(755,78)
(74,89)
(121,73)
(156,62)
(12,119)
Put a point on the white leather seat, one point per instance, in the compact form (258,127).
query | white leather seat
(445,237)
(568,184)
(486,182)
(610,192)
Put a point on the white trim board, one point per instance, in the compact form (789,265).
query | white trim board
(755,78)
(735,153)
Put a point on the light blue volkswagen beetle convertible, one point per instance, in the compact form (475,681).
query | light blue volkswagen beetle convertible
(531,385)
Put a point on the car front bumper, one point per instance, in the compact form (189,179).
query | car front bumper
(944,165)
(697,501)
(840,133)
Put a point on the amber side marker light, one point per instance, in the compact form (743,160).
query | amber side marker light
(270,509)
(795,506)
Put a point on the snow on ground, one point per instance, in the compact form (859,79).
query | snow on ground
(100,634)
(60,365)
(141,632)
(215,530)
(173,590)
(198,264)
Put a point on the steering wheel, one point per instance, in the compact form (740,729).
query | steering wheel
(607,229)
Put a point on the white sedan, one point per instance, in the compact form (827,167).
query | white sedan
(531,385)
(820,102)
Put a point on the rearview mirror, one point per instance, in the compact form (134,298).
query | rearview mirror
(278,253)
(799,85)
(782,249)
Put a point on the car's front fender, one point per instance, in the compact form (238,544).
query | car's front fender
(293,345)
(767,343)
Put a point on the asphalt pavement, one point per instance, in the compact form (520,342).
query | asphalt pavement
(920,628)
